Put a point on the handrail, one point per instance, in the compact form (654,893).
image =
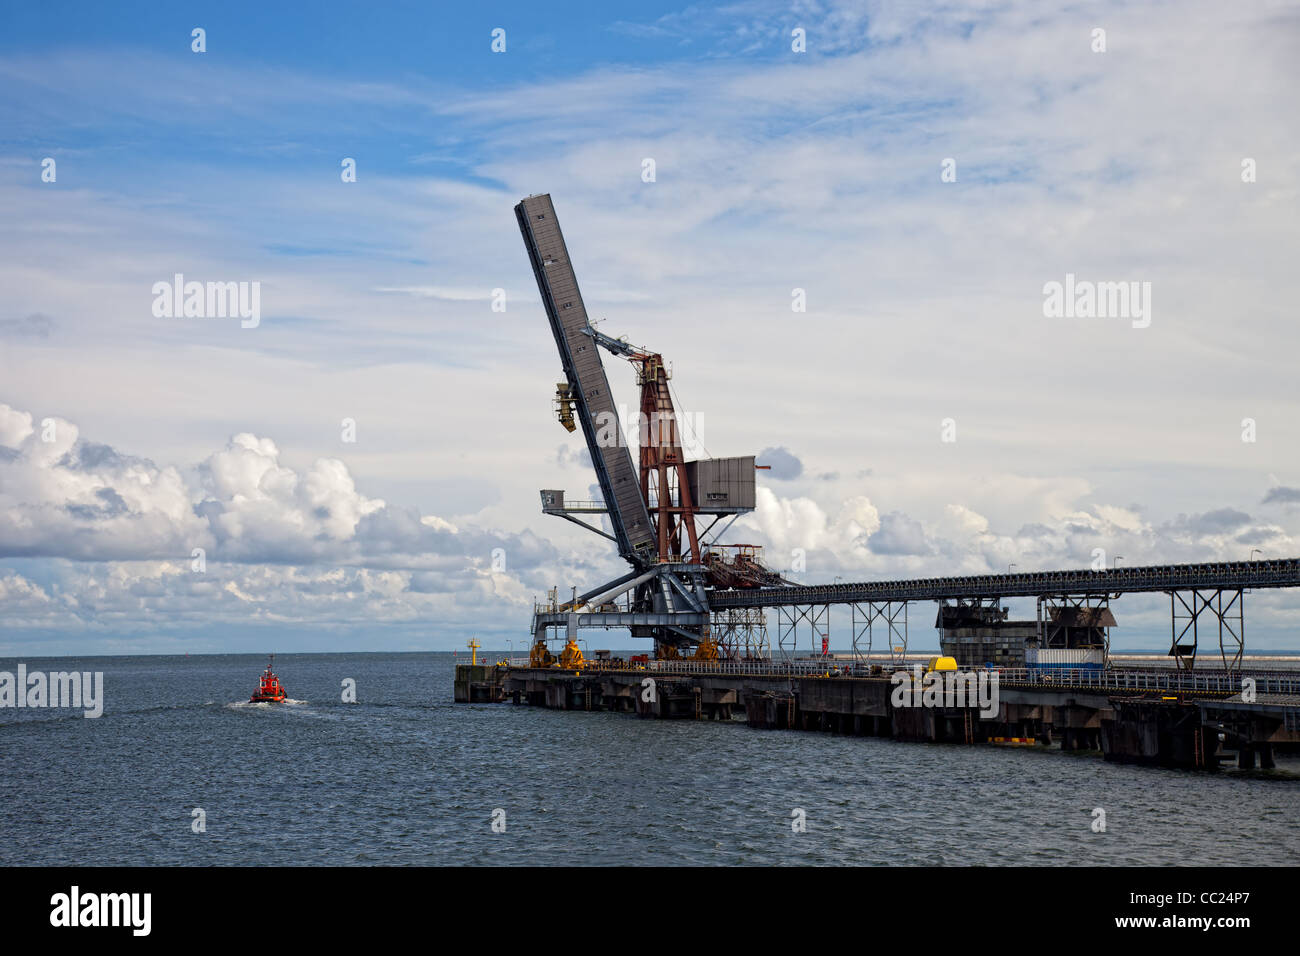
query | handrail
(590,505)
(1138,679)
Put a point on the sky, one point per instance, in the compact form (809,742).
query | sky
(917,174)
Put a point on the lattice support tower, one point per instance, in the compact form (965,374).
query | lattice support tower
(791,621)
(1225,608)
(741,633)
(890,617)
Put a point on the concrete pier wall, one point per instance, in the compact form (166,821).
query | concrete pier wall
(1138,729)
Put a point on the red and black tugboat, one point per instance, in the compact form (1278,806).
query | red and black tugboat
(270,691)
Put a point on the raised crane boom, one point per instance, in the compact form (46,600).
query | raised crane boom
(588,385)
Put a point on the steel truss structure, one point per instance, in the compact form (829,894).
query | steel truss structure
(741,634)
(866,617)
(816,617)
(1225,608)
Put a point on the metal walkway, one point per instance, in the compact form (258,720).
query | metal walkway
(1282,685)
(1232,575)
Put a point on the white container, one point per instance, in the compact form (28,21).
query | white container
(1060,658)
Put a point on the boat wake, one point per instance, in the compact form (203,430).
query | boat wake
(262,704)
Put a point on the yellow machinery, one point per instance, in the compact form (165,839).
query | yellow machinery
(564,406)
(941,665)
(706,650)
(540,656)
(571,656)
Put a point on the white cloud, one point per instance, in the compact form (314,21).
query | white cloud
(75,499)
(15,426)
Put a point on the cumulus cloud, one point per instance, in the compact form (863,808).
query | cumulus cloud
(307,546)
(258,509)
(786,526)
(1258,535)
(116,536)
(17,594)
(899,534)
(67,497)
(61,497)
(1210,524)
(1282,495)
(140,594)
(859,543)
(15,426)
(569,457)
(784,465)
(1218,522)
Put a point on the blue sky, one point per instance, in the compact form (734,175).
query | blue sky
(776,170)
(413,53)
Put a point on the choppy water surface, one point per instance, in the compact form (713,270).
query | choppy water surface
(407,777)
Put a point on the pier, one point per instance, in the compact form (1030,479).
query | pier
(1145,715)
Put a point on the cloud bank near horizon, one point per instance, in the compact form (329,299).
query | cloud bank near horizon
(301,549)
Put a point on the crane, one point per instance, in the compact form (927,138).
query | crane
(653,506)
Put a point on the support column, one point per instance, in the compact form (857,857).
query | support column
(1266,757)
